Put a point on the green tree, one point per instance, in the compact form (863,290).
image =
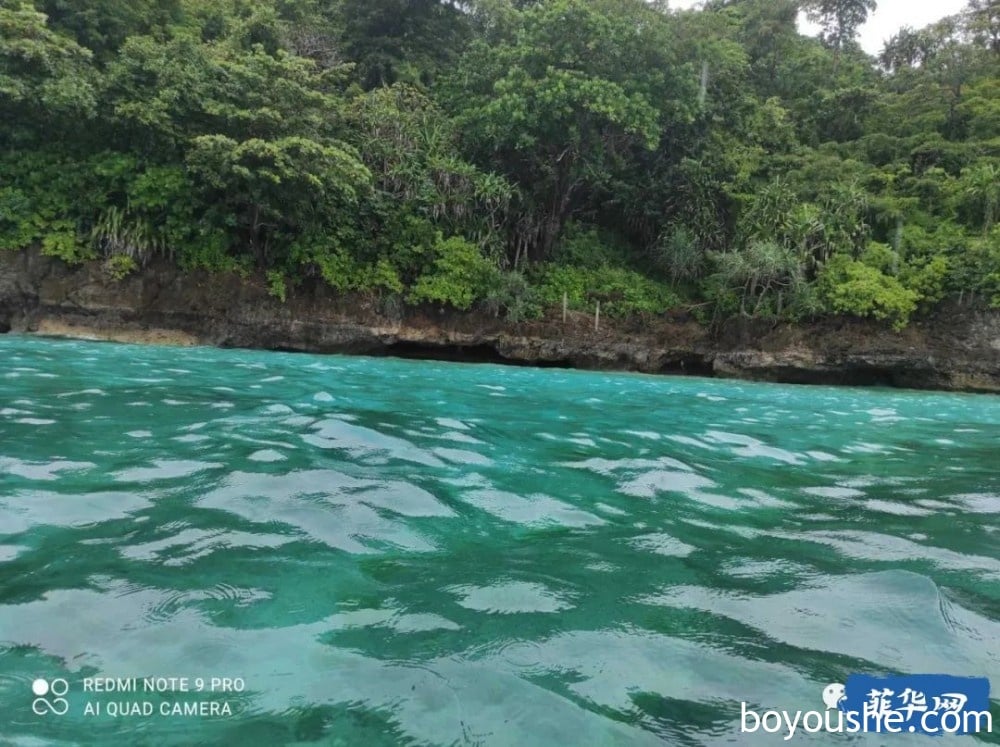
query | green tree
(411,148)
(840,19)
(43,74)
(102,25)
(407,41)
(568,91)
(275,189)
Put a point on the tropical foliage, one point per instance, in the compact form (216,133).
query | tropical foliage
(506,155)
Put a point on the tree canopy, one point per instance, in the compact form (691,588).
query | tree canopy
(503,154)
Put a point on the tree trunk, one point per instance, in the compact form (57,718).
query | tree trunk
(559,208)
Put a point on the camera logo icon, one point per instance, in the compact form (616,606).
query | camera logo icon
(49,697)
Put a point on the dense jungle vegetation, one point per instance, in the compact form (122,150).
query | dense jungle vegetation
(498,154)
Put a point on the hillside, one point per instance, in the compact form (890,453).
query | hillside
(502,158)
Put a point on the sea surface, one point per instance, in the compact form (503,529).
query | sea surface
(390,552)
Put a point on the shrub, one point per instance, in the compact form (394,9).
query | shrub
(344,273)
(678,255)
(119,266)
(621,292)
(881,257)
(381,276)
(759,281)
(276,285)
(458,276)
(511,293)
(851,287)
(927,277)
(583,246)
(64,242)
(974,273)
(18,225)
(207,249)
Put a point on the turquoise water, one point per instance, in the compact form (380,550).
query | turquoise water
(397,552)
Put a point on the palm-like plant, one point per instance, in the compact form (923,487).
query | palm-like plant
(119,232)
(982,184)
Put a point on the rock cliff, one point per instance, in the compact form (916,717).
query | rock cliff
(955,349)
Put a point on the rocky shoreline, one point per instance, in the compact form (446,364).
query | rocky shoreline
(955,350)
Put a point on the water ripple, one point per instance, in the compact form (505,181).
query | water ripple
(387,556)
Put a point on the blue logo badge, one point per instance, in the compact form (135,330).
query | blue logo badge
(917,704)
